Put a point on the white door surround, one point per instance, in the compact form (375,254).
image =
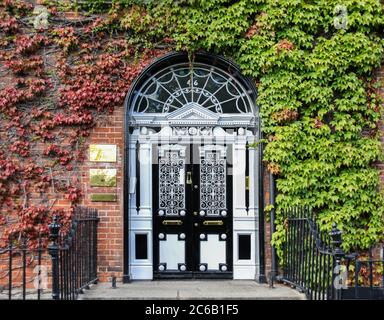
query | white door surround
(160,115)
(245,219)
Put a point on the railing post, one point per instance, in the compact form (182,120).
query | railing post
(10,267)
(272,189)
(53,250)
(338,253)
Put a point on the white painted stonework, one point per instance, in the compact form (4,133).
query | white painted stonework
(173,123)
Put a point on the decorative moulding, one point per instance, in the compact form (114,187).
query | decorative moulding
(193,111)
(193,114)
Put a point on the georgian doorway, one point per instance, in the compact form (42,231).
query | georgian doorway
(192,171)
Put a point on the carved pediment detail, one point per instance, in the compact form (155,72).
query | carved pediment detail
(193,111)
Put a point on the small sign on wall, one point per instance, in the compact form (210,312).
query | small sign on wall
(104,197)
(103,152)
(102,177)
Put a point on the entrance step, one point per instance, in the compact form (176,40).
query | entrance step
(194,289)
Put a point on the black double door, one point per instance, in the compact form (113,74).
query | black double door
(192,216)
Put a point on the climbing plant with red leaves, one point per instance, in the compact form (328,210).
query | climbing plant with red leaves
(58,83)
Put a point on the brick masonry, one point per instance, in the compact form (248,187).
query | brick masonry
(111,226)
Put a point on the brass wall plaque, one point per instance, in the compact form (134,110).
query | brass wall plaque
(102,177)
(103,197)
(102,152)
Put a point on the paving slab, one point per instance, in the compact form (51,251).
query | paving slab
(17,294)
(191,290)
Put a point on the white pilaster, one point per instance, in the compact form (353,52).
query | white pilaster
(141,220)
(243,219)
(145,160)
(239,148)
(253,209)
(132,173)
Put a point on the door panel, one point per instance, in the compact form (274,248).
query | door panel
(214,222)
(212,252)
(192,212)
(172,252)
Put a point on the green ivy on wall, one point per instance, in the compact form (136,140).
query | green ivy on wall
(313,62)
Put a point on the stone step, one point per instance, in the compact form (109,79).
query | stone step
(191,290)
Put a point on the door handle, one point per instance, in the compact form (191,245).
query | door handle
(213,223)
(172,222)
(189,177)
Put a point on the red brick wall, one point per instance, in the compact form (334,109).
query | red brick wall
(111,225)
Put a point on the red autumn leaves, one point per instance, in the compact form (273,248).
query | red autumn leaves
(62,80)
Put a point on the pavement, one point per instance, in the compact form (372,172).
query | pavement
(17,294)
(191,290)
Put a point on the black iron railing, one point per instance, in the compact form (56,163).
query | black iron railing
(365,278)
(74,255)
(307,257)
(60,270)
(314,263)
(23,270)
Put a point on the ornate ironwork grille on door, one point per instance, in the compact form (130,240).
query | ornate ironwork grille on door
(171,181)
(187,119)
(213,180)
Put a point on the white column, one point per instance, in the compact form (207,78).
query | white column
(239,147)
(145,162)
(141,220)
(132,174)
(253,180)
(243,220)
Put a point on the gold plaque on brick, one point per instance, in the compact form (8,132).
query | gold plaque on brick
(103,152)
(102,177)
(103,197)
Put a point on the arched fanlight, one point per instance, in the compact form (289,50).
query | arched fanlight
(176,86)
